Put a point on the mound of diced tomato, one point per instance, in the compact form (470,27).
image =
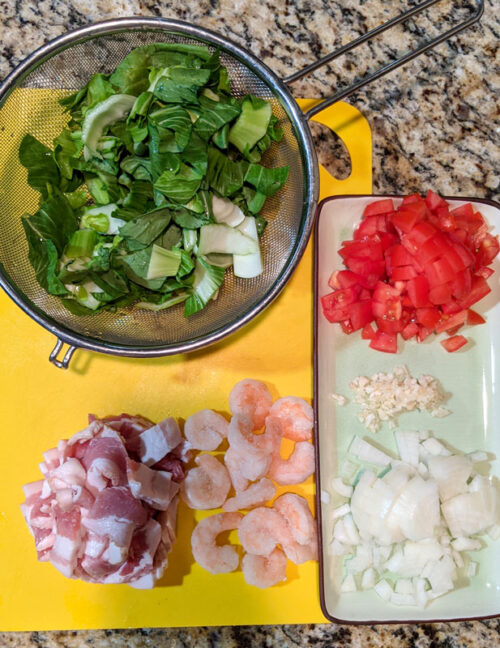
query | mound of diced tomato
(414,270)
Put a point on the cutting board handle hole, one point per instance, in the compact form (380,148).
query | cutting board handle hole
(332,152)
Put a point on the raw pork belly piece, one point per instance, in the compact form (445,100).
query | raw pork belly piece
(106,509)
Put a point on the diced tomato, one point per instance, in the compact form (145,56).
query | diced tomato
(367,249)
(454,330)
(479,289)
(423,333)
(360,313)
(390,326)
(487,251)
(412,198)
(454,343)
(474,318)
(418,291)
(379,207)
(433,201)
(365,266)
(428,317)
(368,332)
(439,272)
(384,342)
(484,272)
(344,279)
(461,285)
(403,273)
(440,294)
(346,327)
(410,330)
(464,211)
(413,270)
(448,322)
(420,234)
(404,221)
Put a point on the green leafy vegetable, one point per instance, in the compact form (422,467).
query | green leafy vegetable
(143,189)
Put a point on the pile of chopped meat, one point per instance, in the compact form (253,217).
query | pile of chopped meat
(106,509)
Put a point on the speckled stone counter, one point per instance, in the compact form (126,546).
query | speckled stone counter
(435,125)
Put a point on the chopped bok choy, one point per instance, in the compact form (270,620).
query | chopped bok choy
(154,188)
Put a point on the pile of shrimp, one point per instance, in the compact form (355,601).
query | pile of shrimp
(253,465)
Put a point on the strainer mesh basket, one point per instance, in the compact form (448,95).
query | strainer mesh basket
(32,107)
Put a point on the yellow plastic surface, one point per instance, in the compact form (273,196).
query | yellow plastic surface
(41,404)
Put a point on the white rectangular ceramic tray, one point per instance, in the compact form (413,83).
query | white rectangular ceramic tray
(470,376)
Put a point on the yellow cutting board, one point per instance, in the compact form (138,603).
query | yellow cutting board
(41,404)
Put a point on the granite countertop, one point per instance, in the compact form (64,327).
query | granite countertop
(434,124)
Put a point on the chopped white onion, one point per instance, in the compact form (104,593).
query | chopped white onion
(384,590)
(341,488)
(368,578)
(348,584)
(368,452)
(340,511)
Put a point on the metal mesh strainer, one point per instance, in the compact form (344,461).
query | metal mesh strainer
(29,103)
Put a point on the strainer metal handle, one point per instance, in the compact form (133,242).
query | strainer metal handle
(345,92)
(64,363)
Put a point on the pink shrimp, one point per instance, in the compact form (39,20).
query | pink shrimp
(205,430)
(232,461)
(261,530)
(251,398)
(296,512)
(210,556)
(296,469)
(255,495)
(207,486)
(264,571)
(298,553)
(297,417)
(251,452)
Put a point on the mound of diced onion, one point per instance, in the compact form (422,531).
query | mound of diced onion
(403,532)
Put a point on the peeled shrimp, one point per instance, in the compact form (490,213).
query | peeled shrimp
(295,510)
(255,495)
(251,398)
(261,530)
(298,553)
(251,452)
(207,486)
(215,559)
(205,430)
(296,469)
(233,462)
(297,417)
(264,571)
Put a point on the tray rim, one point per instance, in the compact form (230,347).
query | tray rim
(317,474)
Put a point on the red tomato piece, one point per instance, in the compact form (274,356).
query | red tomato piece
(384,292)
(484,272)
(412,198)
(404,221)
(487,250)
(366,249)
(420,234)
(436,246)
(440,294)
(384,342)
(360,313)
(461,285)
(433,201)
(423,333)
(384,206)
(403,273)
(367,228)
(418,291)
(454,330)
(368,332)
(439,272)
(454,343)
(390,309)
(428,317)
(474,318)
(409,331)
(346,327)
(478,290)
(399,256)
(390,326)
(365,267)
(448,322)
(464,211)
